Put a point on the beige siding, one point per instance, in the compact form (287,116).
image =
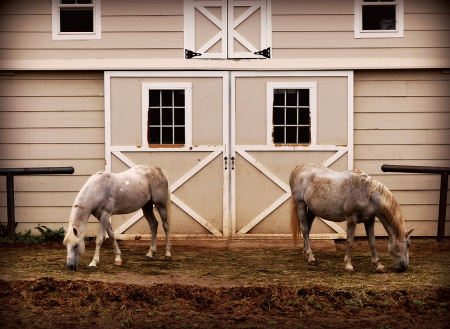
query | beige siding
(312,29)
(403,118)
(50,120)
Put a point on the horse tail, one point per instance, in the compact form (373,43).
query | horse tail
(169,202)
(295,222)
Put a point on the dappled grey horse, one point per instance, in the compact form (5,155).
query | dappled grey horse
(106,194)
(350,196)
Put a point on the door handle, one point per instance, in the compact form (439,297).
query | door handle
(232,163)
(226,163)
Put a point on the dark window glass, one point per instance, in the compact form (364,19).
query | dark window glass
(178,97)
(167,98)
(278,135)
(154,135)
(154,97)
(378,18)
(179,117)
(154,117)
(179,135)
(167,133)
(291,97)
(291,116)
(77,20)
(303,97)
(167,117)
(291,135)
(303,117)
(278,97)
(278,116)
(304,135)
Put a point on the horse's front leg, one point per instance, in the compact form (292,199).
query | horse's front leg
(104,222)
(351,226)
(117,260)
(370,231)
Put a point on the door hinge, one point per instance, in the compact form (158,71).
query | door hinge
(264,52)
(188,54)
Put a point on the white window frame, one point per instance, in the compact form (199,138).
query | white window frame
(57,35)
(187,87)
(312,86)
(399,16)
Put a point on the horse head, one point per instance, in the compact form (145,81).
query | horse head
(400,252)
(74,241)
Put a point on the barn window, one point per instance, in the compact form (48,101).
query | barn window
(378,18)
(292,113)
(167,113)
(76,19)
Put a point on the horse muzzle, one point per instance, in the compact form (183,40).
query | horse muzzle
(72,267)
(401,267)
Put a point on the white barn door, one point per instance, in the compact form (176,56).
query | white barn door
(227,29)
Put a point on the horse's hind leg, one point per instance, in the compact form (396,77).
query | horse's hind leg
(109,230)
(351,226)
(162,209)
(370,231)
(104,222)
(153,223)
(305,225)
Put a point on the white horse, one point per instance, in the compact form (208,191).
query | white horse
(106,194)
(350,196)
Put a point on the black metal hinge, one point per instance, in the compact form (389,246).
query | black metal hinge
(188,54)
(264,52)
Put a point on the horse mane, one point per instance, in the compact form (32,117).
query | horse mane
(390,208)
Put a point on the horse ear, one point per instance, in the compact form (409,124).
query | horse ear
(409,232)
(75,232)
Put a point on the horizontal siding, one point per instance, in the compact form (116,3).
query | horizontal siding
(50,119)
(403,118)
(141,29)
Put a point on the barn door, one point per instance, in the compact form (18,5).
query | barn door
(280,120)
(227,29)
(178,122)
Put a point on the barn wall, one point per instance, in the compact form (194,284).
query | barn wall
(319,32)
(403,118)
(50,119)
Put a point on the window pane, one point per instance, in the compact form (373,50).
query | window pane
(378,17)
(303,135)
(154,135)
(166,97)
(84,1)
(291,97)
(167,135)
(154,117)
(179,135)
(278,135)
(167,117)
(291,135)
(278,116)
(278,97)
(303,97)
(67,2)
(178,97)
(77,20)
(179,117)
(154,98)
(291,116)
(303,117)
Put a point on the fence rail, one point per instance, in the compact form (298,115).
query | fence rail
(10,173)
(443,171)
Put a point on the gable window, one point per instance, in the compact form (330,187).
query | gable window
(379,18)
(76,19)
(291,113)
(166,114)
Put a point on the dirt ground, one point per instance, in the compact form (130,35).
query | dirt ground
(225,284)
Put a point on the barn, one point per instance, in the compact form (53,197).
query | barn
(227,96)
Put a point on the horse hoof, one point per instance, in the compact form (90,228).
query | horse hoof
(350,270)
(168,258)
(118,263)
(382,270)
(312,263)
(149,258)
(92,268)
